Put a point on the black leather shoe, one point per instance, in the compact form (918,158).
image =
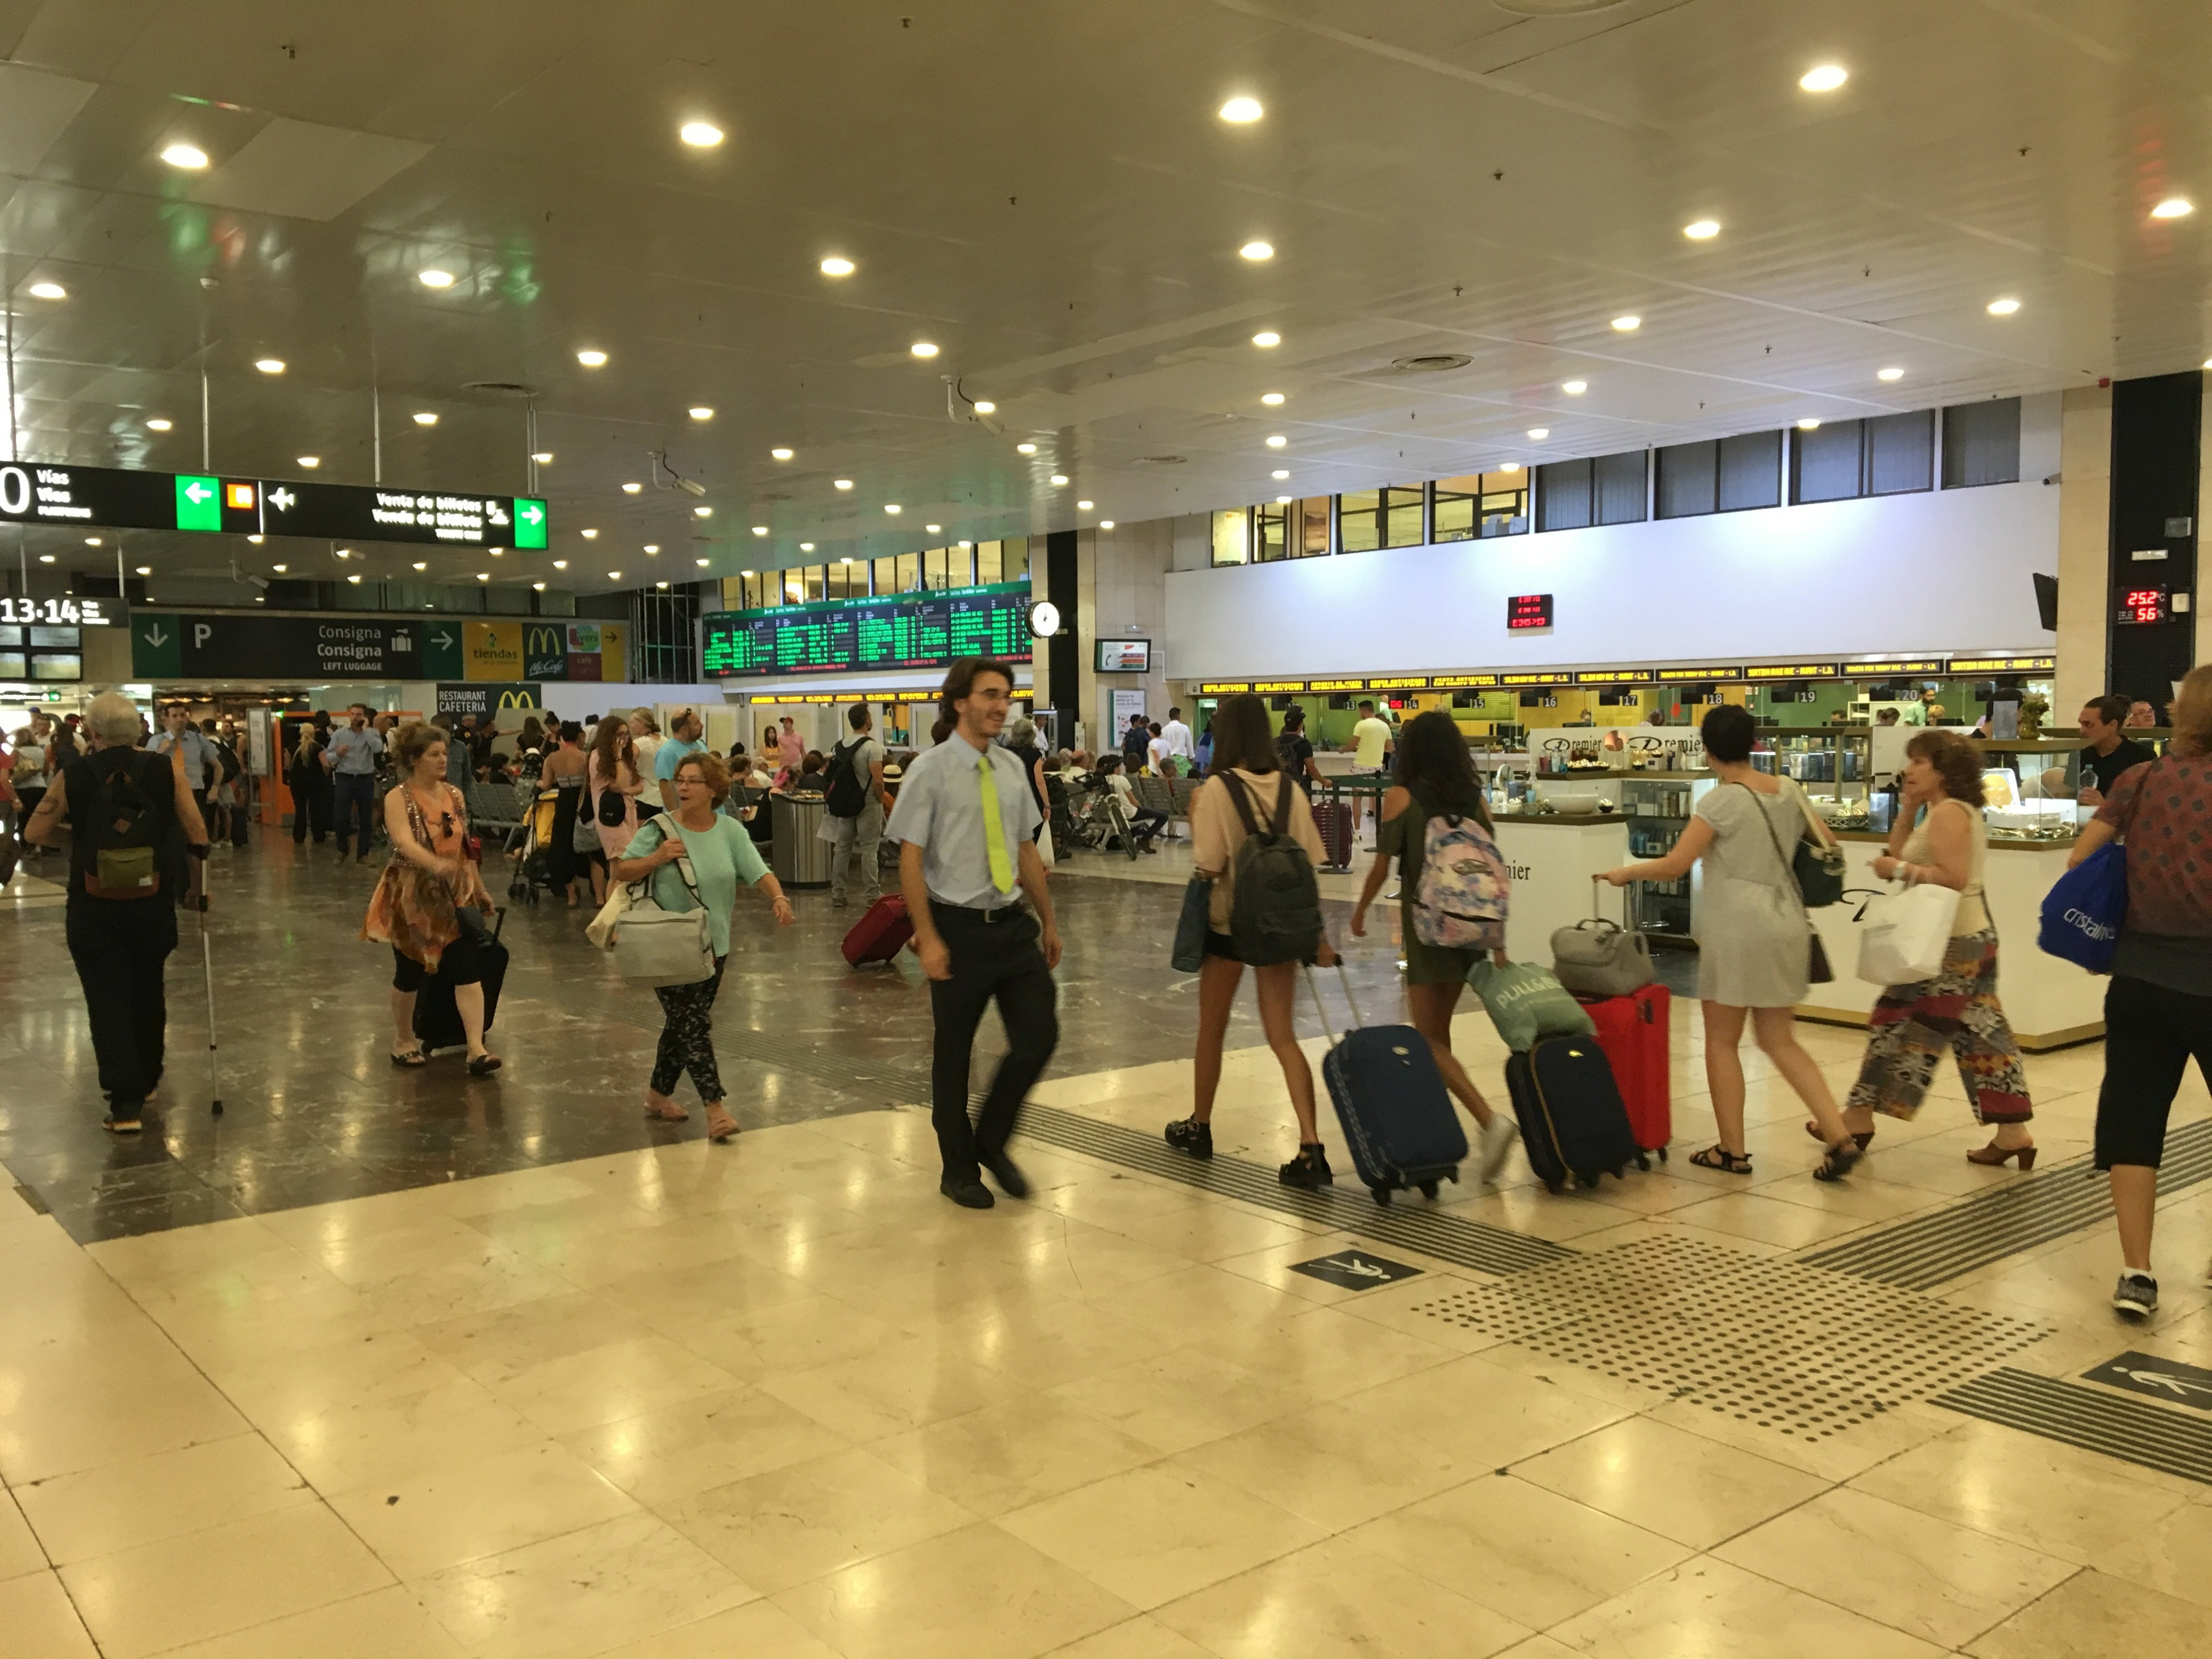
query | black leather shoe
(969,1194)
(1011,1180)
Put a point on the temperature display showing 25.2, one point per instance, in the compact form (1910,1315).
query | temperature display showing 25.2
(84,613)
(1525,611)
(2144,604)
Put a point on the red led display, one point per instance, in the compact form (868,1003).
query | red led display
(1525,610)
(2143,604)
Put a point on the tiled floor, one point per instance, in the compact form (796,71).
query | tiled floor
(778,1399)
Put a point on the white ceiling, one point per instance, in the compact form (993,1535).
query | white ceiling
(1046,192)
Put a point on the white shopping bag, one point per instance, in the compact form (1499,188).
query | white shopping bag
(1905,933)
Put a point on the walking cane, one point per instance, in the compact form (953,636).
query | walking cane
(207,967)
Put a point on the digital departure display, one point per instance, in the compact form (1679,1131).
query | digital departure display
(2144,604)
(72,612)
(1528,610)
(911,630)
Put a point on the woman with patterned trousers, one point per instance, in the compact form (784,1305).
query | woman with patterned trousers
(1957,1010)
(721,854)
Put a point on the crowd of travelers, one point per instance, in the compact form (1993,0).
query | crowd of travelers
(656,820)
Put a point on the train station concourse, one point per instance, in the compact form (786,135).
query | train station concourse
(1193,830)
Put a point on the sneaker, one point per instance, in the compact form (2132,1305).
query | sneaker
(2136,1295)
(969,1194)
(837,900)
(1494,1143)
(1187,1134)
(1309,1168)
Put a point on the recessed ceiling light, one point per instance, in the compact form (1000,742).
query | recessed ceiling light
(702,563)
(1276,441)
(653,547)
(188,156)
(1627,325)
(780,455)
(590,535)
(760,529)
(46,558)
(893,508)
(426,417)
(1889,374)
(1267,337)
(985,406)
(837,265)
(1539,432)
(1574,388)
(923,348)
(701,412)
(543,458)
(1059,478)
(700,135)
(803,547)
(1024,449)
(1084,506)
(1280,472)
(560,564)
(2003,308)
(256,541)
(1105,524)
(632,488)
(1282,501)
(1257,250)
(842,483)
(703,511)
(1271,399)
(661,585)
(540,587)
(1509,467)
(931,529)
(270,365)
(1824,77)
(158,424)
(482,576)
(355,578)
(421,564)
(1808,424)
(48,291)
(434,278)
(345,553)
(965,543)
(145,569)
(614,575)
(2174,207)
(310,462)
(1702,230)
(1240,110)
(592,357)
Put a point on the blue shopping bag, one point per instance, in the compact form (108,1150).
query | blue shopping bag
(2083,911)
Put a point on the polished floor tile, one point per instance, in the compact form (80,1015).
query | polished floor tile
(381,1624)
(2093,1616)
(1666,1481)
(119,1506)
(1707,1609)
(464,1511)
(36,1614)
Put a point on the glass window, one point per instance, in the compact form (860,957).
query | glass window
(1014,559)
(988,566)
(937,569)
(794,587)
(909,573)
(1387,517)
(1270,531)
(1621,485)
(817,582)
(1901,453)
(733,593)
(1981,443)
(883,576)
(1825,462)
(961,561)
(1310,528)
(1723,475)
(848,579)
(1563,495)
(1479,504)
(1750,471)
(1689,478)
(1231,532)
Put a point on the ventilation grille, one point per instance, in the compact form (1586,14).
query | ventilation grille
(1432,363)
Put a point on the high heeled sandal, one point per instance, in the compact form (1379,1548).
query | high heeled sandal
(1863,1137)
(1993,1154)
(1842,1157)
(1717,1157)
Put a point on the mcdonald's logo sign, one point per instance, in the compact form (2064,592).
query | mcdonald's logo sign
(519,697)
(546,651)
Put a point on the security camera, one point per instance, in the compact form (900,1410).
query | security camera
(261,582)
(690,487)
(676,480)
(959,406)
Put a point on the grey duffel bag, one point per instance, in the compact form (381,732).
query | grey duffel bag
(1600,959)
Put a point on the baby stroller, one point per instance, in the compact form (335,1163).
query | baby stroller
(1102,825)
(534,868)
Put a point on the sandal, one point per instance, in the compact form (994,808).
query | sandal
(1838,1161)
(409,1058)
(670,1113)
(720,1126)
(1717,1157)
(483,1064)
(1863,1137)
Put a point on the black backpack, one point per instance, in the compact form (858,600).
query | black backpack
(122,831)
(227,758)
(848,795)
(1274,902)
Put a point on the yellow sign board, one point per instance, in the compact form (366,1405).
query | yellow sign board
(1461,682)
(1401,683)
(1223,688)
(1336,686)
(1279,686)
(1691,676)
(491,651)
(2003,665)
(1883,671)
(1790,670)
(614,651)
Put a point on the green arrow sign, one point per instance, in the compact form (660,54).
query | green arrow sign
(441,650)
(157,649)
(199,502)
(529,522)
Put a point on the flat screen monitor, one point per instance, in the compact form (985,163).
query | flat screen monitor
(1125,656)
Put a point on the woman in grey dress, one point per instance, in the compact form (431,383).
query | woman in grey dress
(1753,956)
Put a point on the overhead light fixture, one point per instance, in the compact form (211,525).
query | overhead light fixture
(46,558)
(614,575)
(560,564)
(842,483)
(2174,207)
(1538,434)
(1824,77)
(426,417)
(589,535)
(703,511)
(270,365)
(1280,472)
(1889,374)
(700,135)
(1574,388)
(421,564)
(1267,337)
(838,265)
(91,541)
(1283,501)
(2003,308)
(1702,230)
(702,563)
(760,529)
(191,157)
(1024,449)
(158,424)
(1808,424)
(1257,250)
(1105,524)
(1276,441)
(803,547)
(653,547)
(931,529)
(1242,112)
(632,489)
(280,569)
(661,585)
(538,587)
(985,406)
(1271,399)
(145,569)
(1627,325)
(256,541)
(310,462)
(701,412)
(1083,506)
(355,578)
(1509,467)
(543,458)
(48,291)
(1059,479)
(345,553)
(780,455)
(590,357)
(923,348)
(482,576)
(893,508)
(964,544)
(434,278)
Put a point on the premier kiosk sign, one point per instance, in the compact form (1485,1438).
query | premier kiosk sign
(35,492)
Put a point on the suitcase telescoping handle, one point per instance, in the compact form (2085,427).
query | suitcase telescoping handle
(1627,904)
(1306,970)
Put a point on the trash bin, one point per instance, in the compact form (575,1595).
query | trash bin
(798,859)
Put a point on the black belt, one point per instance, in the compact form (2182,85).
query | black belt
(1004,913)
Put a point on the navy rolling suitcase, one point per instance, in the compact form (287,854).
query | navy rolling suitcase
(437,1021)
(1397,1120)
(1572,1120)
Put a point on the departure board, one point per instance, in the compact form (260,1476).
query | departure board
(909,631)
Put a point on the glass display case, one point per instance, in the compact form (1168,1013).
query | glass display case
(1833,764)
(1658,805)
(2029,787)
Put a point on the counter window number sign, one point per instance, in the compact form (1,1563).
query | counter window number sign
(1528,610)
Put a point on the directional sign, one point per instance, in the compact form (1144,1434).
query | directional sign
(168,645)
(441,651)
(157,650)
(2169,1380)
(38,493)
(1354,1270)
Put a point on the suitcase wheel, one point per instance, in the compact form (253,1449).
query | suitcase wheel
(1381,1195)
(1555,1187)
(1428,1189)
(1662,1154)
(1643,1162)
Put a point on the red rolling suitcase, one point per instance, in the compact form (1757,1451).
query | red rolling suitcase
(879,935)
(1631,1030)
(1334,820)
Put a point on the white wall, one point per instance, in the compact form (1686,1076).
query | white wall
(1119,577)
(1943,570)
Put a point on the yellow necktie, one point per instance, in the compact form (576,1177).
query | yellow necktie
(994,834)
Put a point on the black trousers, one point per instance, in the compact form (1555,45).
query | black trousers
(310,806)
(120,947)
(990,958)
(354,796)
(687,1036)
(2151,1035)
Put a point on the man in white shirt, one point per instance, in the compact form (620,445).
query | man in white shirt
(1178,737)
(1370,738)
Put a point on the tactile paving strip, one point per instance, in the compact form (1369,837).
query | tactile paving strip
(2095,1419)
(1783,1346)
(2055,1201)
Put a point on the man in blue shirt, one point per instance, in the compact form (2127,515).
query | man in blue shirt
(965,819)
(195,761)
(351,759)
(681,743)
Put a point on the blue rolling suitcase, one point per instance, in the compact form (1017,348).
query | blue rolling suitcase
(1572,1120)
(1391,1098)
